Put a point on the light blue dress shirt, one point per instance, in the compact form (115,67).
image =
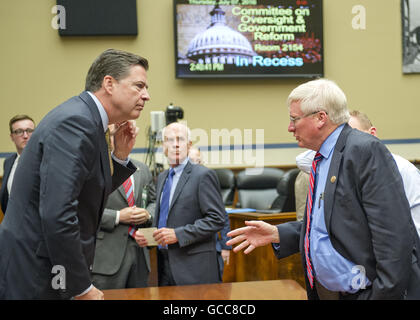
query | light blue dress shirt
(332,270)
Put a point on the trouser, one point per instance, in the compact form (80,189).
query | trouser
(165,276)
(133,272)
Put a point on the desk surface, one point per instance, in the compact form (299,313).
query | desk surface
(250,290)
(265,216)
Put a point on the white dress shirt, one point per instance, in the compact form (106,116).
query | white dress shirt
(12,174)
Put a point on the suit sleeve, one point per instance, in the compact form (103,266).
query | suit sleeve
(213,211)
(108,220)
(66,163)
(223,234)
(388,213)
(289,234)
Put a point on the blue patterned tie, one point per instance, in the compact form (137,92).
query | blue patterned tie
(164,205)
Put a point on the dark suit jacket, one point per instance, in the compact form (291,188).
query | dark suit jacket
(221,242)
(196,213)
(112,239)
(368,219)
(7,167)
(59,190)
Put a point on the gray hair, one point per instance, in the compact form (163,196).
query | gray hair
(115,63)
(321,95)
(189,139)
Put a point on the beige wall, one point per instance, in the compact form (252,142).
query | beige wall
(40,69)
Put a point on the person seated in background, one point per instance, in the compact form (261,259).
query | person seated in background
(189,212)
(119,261)
(409,173)
(223,250)
(301,192)
(21,128)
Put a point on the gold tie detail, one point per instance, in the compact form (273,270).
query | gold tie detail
(108,142)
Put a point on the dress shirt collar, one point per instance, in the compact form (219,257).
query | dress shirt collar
(179,168)
(101,109)
(328,145)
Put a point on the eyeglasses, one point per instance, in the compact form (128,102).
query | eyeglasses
(295,119)
(20,132)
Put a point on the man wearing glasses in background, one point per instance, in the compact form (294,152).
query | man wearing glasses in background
(21,128)
(357,239)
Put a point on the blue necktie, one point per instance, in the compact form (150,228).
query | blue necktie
(164,205)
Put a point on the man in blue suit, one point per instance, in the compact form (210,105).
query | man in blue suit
(62,182)
(21,128)
(189,212)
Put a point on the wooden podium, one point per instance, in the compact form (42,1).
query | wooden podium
(261,263)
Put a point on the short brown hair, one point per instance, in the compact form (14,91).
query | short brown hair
(115,63)
(17,118)
(362,118)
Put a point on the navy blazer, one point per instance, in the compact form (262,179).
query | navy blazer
(196,213)
(60,187)
(367,217)
(4,193)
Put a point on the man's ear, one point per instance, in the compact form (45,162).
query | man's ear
(108,84)
(372,131)
(189,145)
(322,118)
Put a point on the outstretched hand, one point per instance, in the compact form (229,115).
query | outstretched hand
(255,234)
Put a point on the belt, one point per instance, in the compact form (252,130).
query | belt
(325,294)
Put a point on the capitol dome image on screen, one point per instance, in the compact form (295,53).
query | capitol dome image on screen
(218,43)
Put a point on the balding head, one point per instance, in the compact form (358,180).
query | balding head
(176,143)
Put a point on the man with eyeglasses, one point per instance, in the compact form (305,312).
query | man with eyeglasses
(21,128)
(357,239)
(409,173)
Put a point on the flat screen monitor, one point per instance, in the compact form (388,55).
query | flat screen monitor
(98,17)
(248,38)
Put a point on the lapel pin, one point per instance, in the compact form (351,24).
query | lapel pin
(333,178)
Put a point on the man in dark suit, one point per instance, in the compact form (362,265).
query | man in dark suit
(21,128)
(62,182)
(223,250)
(189,212)
(119,261)
(357,238)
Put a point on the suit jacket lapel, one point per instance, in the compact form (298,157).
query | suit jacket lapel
(103,146)
(122,193)
(333,171)
(181,182)
(137,187)
(8,164)
(161,182)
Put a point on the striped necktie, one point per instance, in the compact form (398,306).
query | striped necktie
(309,201)
(129,194)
